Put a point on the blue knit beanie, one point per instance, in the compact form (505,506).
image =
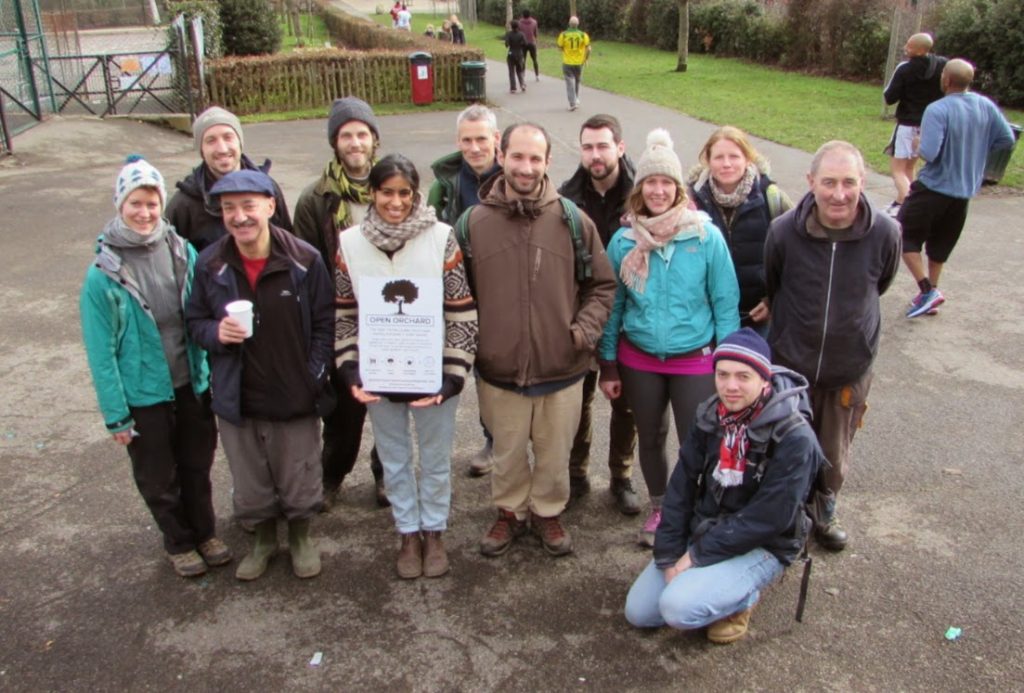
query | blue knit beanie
(747,347)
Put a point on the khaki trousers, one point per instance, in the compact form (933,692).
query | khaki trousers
(838,415)
(515,421)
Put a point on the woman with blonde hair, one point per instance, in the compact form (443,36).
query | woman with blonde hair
(732,185)
(676,299)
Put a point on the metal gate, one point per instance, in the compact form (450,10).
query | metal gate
(40,77)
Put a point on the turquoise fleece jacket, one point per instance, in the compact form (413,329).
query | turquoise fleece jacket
(122,341)
(691,297)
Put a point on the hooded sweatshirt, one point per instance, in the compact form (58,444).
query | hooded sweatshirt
(715,523)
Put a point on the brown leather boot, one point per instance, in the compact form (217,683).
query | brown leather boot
(731,628)
(435,558)
(410,557)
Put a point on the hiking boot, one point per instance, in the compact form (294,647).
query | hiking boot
(579,486)
(505,530)
(731,628)
(380,491)
(188,564)
(926,302)
(553,537)
(410,557)
(265,546)
(831,535)
(435,558)
(215,552)
(646,536)
(626,499)
(330,499)
(483,461)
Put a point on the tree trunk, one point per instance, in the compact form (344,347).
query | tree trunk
(572,8)
(508,15)
(684,34)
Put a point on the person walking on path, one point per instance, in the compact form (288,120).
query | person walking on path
(515,42)
(676,298)
(152,381)
(575,46)
(731,184)
(827,263)
(271,377)
(957,133)
(192,211)
(336,200)
(457,180)
(915,83)
(541,314)
(734,514)
(401,238)
(528,25)
(600,187)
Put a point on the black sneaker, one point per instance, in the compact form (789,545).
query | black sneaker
(626,499)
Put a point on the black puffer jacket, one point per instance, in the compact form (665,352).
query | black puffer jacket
(766,511)
(196,217)
(745,232)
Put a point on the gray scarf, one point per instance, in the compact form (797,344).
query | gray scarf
(391,237)
(739,195)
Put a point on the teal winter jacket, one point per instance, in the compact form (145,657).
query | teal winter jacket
(122,341)
(690,300)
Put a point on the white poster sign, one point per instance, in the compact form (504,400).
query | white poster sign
(401,334)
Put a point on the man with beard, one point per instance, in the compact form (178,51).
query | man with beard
(336,200)
(192,211)
(600,187)
(539,324)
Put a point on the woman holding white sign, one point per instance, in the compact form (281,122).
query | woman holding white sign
(409,360)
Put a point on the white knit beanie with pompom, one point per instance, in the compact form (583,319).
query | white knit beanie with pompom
(659,159)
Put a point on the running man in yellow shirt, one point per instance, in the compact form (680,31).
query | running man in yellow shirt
(575,46)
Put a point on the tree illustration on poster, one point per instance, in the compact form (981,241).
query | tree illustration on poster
(400,291)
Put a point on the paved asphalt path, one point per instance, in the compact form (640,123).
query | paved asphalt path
(88,603)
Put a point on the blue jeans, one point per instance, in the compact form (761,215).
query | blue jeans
(700,596)
(424,506)
(573,74)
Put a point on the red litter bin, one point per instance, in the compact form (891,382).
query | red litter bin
(421,72)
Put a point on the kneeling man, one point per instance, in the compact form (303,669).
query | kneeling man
(733,515)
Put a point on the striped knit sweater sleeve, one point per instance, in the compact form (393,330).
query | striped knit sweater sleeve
(346,324)
(460,321)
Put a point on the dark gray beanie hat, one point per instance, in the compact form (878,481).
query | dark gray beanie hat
(344,110)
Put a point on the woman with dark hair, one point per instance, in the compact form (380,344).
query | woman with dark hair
(516,57)
(676,299)
(401,237)
(731,184)
(151,379)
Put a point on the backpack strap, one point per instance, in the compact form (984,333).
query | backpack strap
(774,196)
(584,260)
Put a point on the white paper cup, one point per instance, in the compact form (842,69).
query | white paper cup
(242,312)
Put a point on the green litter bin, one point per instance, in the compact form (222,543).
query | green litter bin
(995,165)
(474,82)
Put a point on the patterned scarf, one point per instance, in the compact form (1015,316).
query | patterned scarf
(732,453)
(651,233)
(339,184)
(391,237)
(739,195)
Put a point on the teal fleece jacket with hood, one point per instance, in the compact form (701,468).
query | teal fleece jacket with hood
(122,341)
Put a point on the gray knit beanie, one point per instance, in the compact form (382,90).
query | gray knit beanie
(215,115)
(137,173)
(659,159)
(346,109)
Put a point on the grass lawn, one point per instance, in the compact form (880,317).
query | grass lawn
(790,108)
(314,33)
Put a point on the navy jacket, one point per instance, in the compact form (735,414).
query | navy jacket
(767,509)
(216,285)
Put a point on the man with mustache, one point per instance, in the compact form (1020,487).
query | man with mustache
(192,210)
(270,383)
(540,321)
(336,200)
(600,187)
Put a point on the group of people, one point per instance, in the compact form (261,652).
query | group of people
(521,41)
(756,319)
